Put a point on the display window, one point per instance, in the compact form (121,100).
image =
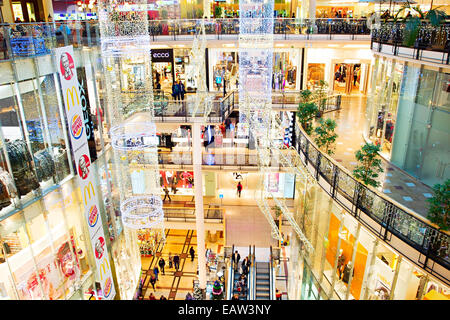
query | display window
(316,72)
(44,249)
(180,182)
(183,68)
(127,262)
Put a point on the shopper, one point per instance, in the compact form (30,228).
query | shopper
(239,188)
(153,280)
(192,253)
(166,194)
(152,296)
(156,272)
(176,261)
(161,264)
(162,298)
(189,296)
(170,260)
(176,91)
(245,265)
(278,294)
(235,259)
(182,89)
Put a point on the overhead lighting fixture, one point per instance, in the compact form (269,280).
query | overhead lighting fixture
(334,45)
(280,45)
(179,46)
(229,45)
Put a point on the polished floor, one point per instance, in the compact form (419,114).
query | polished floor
(395,183)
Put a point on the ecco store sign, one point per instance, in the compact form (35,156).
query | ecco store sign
(80,150)
(162,55)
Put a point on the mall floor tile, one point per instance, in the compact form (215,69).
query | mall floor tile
(350,123)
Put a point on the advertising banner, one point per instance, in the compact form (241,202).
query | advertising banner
(80,151)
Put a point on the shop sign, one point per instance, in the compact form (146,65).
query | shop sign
(162,55)
(74,111)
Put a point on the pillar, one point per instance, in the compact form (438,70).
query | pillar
(199,216)
(312,9)
(206,9)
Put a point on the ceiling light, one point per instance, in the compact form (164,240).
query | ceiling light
(229,45)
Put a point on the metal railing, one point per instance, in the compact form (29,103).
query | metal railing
(34,39)
(430,38)
(395,224)
(211,214)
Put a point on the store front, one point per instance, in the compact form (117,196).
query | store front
(163,69)
(45,253)
(407,115)
(184,68)
(349,262)
(27,10)
(224,65)
(350,78)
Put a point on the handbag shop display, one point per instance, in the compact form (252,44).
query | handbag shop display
(29,170)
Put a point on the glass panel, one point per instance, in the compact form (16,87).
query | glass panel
(57,147)
(23,278)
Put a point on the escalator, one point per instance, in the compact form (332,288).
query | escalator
(262,285)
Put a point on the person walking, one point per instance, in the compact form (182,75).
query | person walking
(153,281)
(162,263)
(170,260)
(192,253)
(239,188)
(156,272)
(278,294)
(235,259)
(176,261)
(166,194)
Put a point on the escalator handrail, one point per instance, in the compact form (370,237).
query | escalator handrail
(230,286)
(272,289)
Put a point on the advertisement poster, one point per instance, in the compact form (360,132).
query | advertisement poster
(87,117)
(181,179)
(73,101)
(273,182)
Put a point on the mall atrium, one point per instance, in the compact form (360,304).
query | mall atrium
(224,150)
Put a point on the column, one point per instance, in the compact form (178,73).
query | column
(312,9)
(206,9)
(199,217)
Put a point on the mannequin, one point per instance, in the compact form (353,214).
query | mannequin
(346,273)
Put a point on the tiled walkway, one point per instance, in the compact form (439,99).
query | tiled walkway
(395,183)
(174,284)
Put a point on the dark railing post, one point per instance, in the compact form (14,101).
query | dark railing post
(319,156)
(388,214)
(334,182)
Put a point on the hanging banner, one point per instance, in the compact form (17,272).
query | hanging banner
(86,108)
(80,151)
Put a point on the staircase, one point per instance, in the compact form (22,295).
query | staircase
(262,281)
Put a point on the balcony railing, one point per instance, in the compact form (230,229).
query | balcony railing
(428,38)
(34,39)
(411,235)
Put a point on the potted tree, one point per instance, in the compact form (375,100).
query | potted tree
(439,205)
(325,135)
(369,164)
(306,112)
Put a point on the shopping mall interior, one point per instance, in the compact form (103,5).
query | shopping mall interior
(224,150)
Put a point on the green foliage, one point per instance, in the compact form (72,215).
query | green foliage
(321,94)
(305,96)
(412,28)
(218,12)
(435,16)
(277,210)
(325,136)
(306,112)
(369,164)
(439,205)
